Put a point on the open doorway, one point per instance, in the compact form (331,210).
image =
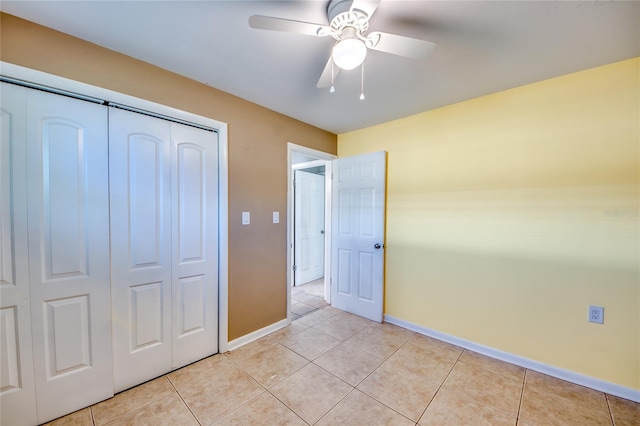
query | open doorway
(308,227)
(307,294)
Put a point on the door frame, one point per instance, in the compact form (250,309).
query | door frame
(325,158)
(61,85)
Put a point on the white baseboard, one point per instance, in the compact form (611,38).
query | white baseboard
(560,373)
(255,335)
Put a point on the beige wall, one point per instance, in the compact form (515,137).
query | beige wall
(509,214)
(257,155)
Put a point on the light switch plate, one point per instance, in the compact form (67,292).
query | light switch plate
(276,217)
(246,218)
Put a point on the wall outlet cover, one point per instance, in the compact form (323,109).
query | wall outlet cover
(596,314)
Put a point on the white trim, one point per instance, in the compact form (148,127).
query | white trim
(560,373)
(326,158)
(57,82)
(223,240)
(328,234)
(65,84)
(308,164)
(255,335)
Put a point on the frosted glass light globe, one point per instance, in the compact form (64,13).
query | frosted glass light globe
(349,53)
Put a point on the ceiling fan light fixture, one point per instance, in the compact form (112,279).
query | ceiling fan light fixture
(349,53)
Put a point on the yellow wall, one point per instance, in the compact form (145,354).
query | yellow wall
(509,214)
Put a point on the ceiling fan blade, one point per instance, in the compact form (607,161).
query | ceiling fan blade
(400,45)
(279,24)
(366,6)
(325,79)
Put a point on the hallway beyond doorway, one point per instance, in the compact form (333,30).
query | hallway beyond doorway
(307,298)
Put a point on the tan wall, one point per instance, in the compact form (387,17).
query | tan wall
(257,154)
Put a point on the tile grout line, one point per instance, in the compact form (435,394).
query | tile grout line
(285,404)
(613,422)
(156,399)
(336,404)
(353,388)
(369,353)
(573,401)
(524,380)
(265,389)
(497,410)
(489,371)
(376,399)
(385,359)
(239,406)
(253,378)
(373,371)
(440,386)
(182,399)
(482,367)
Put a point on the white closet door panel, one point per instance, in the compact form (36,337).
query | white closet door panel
(67,178)
(17,388)
(140,246)
(194,176)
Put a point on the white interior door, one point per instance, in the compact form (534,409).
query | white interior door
(194,191)
(140,185)
(357,254)
(309,227)
(68,224)
(17,388)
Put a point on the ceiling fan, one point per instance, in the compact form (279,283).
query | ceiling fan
(349,25)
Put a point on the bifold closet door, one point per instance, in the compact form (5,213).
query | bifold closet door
(68,225)
(194,187)
(17,387)
(164,242)
(140,176)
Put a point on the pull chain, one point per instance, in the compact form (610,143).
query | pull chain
(362,82)
(332,89)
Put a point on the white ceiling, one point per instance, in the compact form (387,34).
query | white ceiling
(483,47)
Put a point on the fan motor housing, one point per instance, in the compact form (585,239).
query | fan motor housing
(344,22)
(336,7)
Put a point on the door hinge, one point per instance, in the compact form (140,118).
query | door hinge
(295,267)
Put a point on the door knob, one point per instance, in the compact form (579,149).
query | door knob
(377,246)
(322,232)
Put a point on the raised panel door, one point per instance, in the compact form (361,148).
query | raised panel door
(68,214)
(358,235)
(139,164)
(309,227)
(194,162)
(17,387)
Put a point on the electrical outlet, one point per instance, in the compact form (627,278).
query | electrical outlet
(596,314)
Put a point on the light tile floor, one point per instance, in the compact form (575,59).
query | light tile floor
(333,368)
(307,298)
